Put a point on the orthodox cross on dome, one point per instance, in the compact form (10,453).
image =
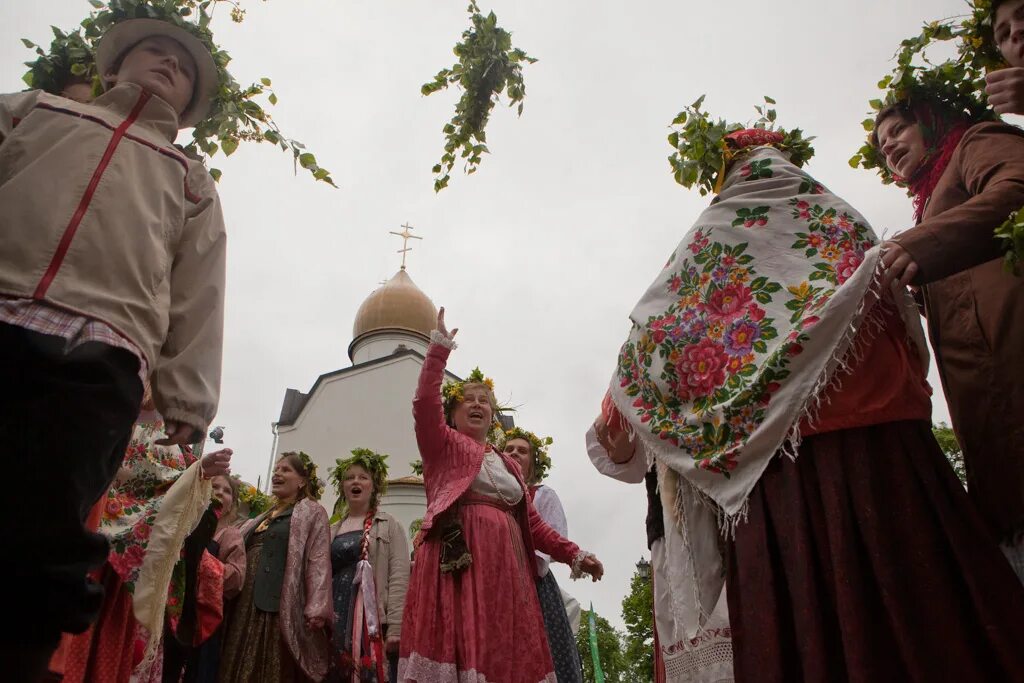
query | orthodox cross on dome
(406,236)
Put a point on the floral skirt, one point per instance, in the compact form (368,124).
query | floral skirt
(105,653)
(561,641)
(864,561)
(480,625)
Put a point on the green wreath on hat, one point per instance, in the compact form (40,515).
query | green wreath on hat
(235,115)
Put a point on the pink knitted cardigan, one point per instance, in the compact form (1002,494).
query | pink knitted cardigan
(451,461)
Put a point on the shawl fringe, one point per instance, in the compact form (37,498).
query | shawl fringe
(182,508)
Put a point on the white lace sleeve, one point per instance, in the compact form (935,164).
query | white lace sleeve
(437,338)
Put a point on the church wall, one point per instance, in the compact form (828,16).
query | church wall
(369,407)
(381,344)
(406,503)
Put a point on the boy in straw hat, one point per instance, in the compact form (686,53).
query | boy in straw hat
(112,248)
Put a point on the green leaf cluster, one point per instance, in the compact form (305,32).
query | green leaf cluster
(951,447)
(701,154)
(957,83)
(1011,233)
(488,65)
(237,114)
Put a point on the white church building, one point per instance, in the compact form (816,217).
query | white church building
(368,404)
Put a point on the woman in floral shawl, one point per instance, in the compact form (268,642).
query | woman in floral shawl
(158,498)
(780,390)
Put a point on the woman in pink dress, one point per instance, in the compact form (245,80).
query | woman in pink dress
(471,611)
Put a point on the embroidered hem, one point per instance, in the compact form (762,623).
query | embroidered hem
(417,668)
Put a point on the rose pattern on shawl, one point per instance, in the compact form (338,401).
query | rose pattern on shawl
(133,502)
(811,186)
(701,368)
(756,170)
(707,340)
(712,344)
(751,218)
(837,238)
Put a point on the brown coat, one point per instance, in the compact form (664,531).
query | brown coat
(389,557)
(975,314)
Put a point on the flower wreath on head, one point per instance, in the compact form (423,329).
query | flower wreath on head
(453,393)
(704,149)
(255,501)
(316,484)
(538,447)
(373,463)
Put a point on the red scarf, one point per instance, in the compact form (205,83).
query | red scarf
(924,181)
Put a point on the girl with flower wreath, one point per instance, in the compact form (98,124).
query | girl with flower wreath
(778,385)
(226,552)
(158,498)
(278,628)
(471,610)
(530,452)
(370,561)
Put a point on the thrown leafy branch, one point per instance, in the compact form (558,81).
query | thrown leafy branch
(487,66)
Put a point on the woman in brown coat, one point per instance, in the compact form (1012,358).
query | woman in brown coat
(966,177)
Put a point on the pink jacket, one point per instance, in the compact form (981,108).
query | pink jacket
(307,591)
(451,461)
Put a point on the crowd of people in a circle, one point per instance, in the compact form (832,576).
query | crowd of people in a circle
(803,522)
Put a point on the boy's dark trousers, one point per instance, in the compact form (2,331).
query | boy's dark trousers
(65,421)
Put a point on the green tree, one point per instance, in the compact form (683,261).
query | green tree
(638,613)
(609,646)
(951,447)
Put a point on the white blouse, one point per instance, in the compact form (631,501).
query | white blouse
(495,481)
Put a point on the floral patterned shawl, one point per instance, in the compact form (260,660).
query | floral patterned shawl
(155,502)
(733,344)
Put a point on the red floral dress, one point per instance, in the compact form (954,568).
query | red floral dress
(108,651)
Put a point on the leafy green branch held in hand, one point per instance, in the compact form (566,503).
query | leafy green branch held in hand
(487,66)
(236,114)
(1011,233)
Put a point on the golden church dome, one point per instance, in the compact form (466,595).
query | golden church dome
(396,305)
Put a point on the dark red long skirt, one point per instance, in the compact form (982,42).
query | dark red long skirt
(864,561)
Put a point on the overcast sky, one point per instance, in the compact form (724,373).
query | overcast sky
(540,255)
